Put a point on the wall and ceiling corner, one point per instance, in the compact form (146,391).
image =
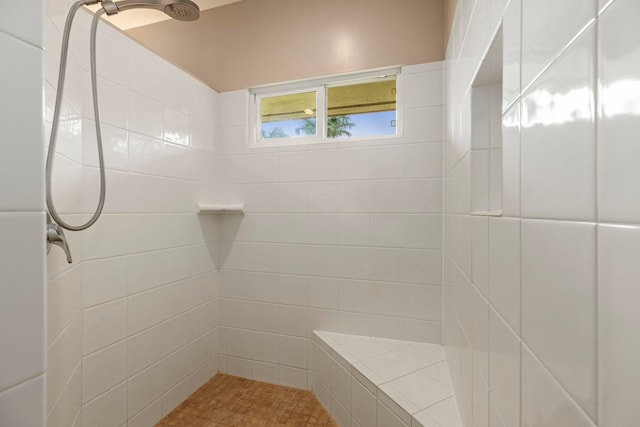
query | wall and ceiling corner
(22,217)
(254,42)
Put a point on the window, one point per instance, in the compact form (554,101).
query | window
(323,110)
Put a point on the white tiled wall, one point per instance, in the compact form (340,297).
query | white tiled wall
(132,323)
(336,236)
(22,268)
(541,304)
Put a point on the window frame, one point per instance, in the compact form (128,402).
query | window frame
(320,86)
(292,140)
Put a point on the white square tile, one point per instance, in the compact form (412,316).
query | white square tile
(293,197)
(388,230)
(422,89)
(363,404)
(617,61)
(144,388)
(108,409)
(25,22)
(145,309)
(386,417)
(504,267)
(293,228)
(114,101)
(175,127)
(387,299)
(24,404)
(323,292)
(388,366)
(176,88)
(353,262)
(144,349)
(103,370)
(353,163)
(354,197)
(422,124)
(423,267)
(322,260)
(22,118)
(22,297)
(511,53)
(388,265)
(266,372)
(148,416)
(544,402)
(445,413)
(145,72)
(423,196)
(504,367)
(323,197)
(293,166)
(103,325)
(423,160)
(559,302)
(341,384)
(419,355)
(322,229)
(387,162)
(292,377)
(511,162)
(340,414)
(322,165)
(418,389)
(618,323)
(480,253)
(423,302)
(389,196)
(293,352)
(354,230)
(544,36)
(354,295)
(293,321)
(558,137)
(145,116)
(175,396)
(423,231)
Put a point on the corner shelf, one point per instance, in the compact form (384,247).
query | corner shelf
(220,209)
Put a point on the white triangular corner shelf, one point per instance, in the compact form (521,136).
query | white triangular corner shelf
(220,208)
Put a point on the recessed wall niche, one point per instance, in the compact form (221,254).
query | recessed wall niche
(486,133)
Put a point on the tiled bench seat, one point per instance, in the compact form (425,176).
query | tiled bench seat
(377,382)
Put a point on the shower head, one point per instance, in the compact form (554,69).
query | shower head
(182,10)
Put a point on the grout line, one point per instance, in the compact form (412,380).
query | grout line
(66,384)
(597,115)
(556,57)
(20,383)
(557,382)
(24,42)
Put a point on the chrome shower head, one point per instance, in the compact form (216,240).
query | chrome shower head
(182,10)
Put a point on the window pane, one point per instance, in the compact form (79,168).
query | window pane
(288,115)
(362,110)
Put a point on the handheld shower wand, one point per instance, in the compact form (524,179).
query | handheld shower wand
(183,10)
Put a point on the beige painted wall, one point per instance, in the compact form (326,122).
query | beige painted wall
(265,41)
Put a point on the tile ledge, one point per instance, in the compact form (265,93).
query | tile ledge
(403,408)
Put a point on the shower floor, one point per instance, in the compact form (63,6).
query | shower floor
(231,401)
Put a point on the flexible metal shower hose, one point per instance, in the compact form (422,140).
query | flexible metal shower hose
(56,120)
